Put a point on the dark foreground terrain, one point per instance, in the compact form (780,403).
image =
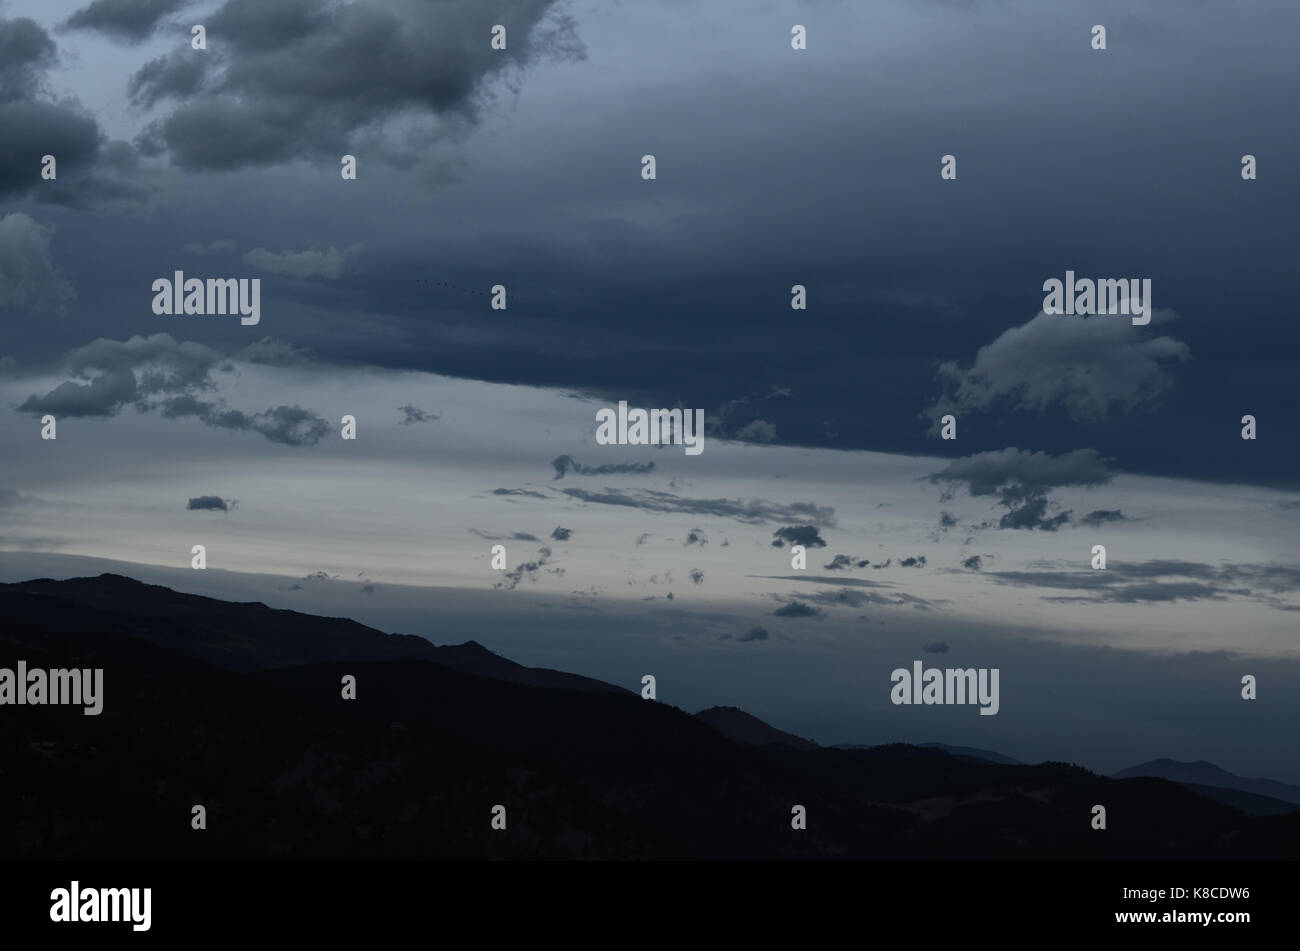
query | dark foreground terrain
(238,707)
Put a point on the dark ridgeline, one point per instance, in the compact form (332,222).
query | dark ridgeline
(1255,796)
(238,707)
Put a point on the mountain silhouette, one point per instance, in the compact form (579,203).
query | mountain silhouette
(961,752)
(971,752)
(248,635)
(737,725)
(238,708)
(1248,803)
(1257,796)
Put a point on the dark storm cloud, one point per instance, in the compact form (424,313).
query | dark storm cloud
(529,493)
(1085,365)
(528,571)
(854,597)
(512,537)
(158,373)
(749,511)
(580,246)
(562,534)
(567,463)
(796,609)
(1031,513)
(35,126)
(845,562)
(286,425)
(28,278)
(806,535)
(840,580)
(1163,580)
(572,266)
(298,78)
(696,576)
(974,562)
(105,395)
(935,647)
(162,363)
(181,74)
(26,51)
(208,503)
(1102,517)
(413,414)
(1023,479)
(1270,577)
(695,536)
(1154,592)
(753,634)
(165,367)
(132,21)
(1014,474)
(916,562)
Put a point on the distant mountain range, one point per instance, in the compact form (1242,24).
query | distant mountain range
(238,707)
(961,752)
(1255,796)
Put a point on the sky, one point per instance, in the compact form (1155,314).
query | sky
(774,167)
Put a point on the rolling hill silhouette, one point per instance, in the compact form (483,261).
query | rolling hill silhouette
(249,635)
(961,752)
(237,707)
(1255,796)
(735,724)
